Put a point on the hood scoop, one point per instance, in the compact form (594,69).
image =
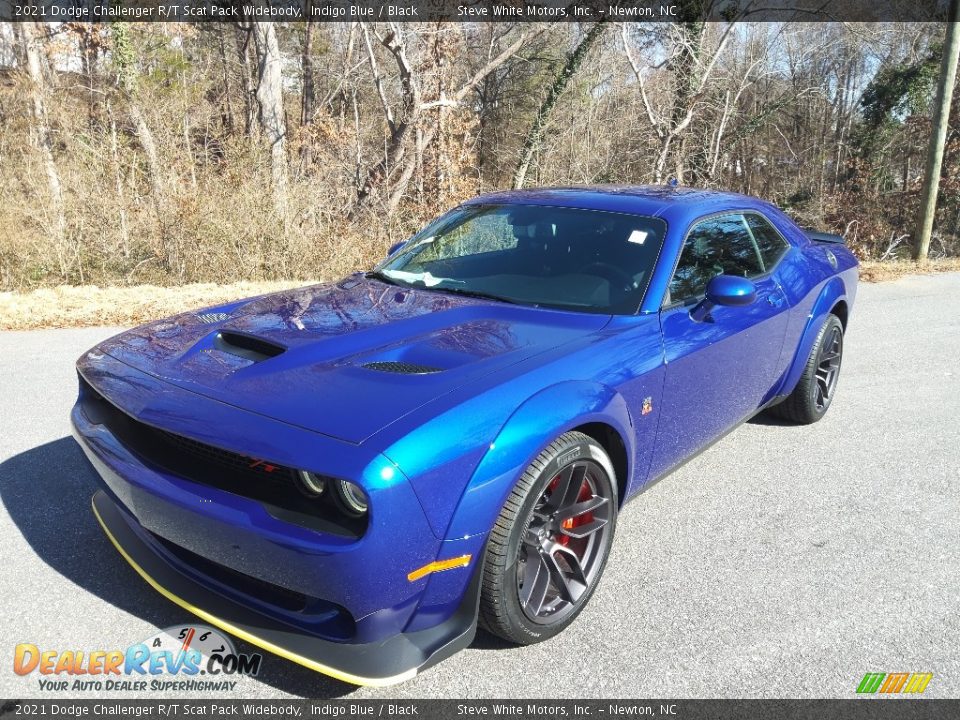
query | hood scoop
(401,368)
(246,346)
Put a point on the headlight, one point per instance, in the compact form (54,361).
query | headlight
(312,484)
(352,498)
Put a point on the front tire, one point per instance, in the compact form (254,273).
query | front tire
(550,544)
(814,393)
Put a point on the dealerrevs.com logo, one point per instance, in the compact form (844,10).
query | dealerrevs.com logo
(179,658)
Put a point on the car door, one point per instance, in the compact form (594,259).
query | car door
(721,368)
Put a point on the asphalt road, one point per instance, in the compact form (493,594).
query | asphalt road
(783,562)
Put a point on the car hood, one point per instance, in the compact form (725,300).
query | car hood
(344,359)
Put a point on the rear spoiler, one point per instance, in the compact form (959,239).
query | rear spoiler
(824,237)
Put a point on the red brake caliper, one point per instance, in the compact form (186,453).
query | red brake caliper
(587,517)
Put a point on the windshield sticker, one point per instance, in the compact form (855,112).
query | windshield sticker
(638,237)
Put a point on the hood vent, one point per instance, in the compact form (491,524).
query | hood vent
(209,318)
(246,346)
(401,368)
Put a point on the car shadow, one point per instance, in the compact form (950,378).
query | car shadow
(769,419)
(47,491)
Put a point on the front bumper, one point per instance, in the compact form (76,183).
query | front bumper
(358,613)
(391,661)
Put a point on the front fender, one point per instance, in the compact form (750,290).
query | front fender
(530,427)
(533,426)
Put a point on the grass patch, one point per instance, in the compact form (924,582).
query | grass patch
(88,305)
(876,271)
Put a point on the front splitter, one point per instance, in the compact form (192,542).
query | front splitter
(387,662)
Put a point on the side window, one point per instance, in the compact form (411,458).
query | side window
(720,245)
(771,244)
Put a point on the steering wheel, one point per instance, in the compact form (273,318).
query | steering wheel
(611,273)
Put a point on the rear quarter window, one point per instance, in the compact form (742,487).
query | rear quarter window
(770,243)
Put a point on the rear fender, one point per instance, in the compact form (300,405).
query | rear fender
(832,292)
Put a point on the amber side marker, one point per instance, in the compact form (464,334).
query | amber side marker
(438,566)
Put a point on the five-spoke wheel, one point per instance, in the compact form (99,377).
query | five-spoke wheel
(817,386)
(550,544)
(828,366)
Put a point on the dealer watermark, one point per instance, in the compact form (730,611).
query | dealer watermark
(182,658)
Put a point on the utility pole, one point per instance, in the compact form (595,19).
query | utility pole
(938,135)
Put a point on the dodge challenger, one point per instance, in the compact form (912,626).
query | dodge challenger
(356,475)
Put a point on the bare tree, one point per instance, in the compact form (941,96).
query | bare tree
(272,117)
(31,38)
(692,65)
(535,134)
(157,174)
(403,124)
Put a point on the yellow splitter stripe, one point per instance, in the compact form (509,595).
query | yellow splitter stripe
(253,639)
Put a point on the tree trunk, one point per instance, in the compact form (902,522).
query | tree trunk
(535,135)
(118,182)
(228,114)
(167,252)
(938,135)
(249,91)
(272,117)
(308,95)
(43,139)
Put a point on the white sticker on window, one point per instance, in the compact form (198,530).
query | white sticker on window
(638,237)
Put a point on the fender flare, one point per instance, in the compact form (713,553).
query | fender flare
(538,421)
(833,291)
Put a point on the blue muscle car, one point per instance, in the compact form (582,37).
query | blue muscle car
(355,475)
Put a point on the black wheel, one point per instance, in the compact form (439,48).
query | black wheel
(549,546)
(813,394)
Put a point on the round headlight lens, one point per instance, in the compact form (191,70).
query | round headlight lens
(311,483)
(352,498)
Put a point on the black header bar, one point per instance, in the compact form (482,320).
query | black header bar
(854,709)
(470,10)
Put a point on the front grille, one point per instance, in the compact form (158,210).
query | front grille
(247,584)
(333,621)
(240,468)
(402,368)
(275,486)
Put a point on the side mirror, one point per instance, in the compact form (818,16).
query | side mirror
(395,247)
(731,290)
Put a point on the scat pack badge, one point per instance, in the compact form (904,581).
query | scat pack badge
(184,651)
(647,406)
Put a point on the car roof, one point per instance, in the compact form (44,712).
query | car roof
(672,203)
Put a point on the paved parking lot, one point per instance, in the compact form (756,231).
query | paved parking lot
(783,562)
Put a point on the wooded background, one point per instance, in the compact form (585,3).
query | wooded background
(171,153)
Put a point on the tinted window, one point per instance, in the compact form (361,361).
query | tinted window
(771,245)
(573,258)
(480,234)
(718,246)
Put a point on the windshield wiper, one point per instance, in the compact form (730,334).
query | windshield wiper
(382,277)
(476,294)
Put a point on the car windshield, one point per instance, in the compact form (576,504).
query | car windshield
(570,258)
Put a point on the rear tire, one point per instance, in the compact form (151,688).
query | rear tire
(814,393)
(549,546)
